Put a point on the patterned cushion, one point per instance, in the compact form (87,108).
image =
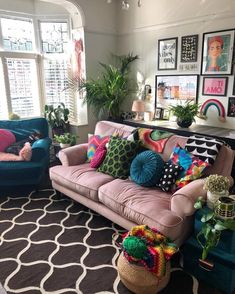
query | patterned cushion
(192,166)
(93,143)
(154,140)
(146,168)
(204,148)
(170,174)
(119,156)
(98,157)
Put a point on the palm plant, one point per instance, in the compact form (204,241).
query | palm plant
(107,93)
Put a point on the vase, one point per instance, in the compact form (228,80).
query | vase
(213,197)
(225,208)
(63,145)
(184,123)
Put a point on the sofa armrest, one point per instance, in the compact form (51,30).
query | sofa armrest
(41,149)
(73,155)
(182,201)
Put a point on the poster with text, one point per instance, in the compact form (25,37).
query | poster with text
(167,54)
(214,86)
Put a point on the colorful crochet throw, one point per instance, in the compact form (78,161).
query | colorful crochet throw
(145,246)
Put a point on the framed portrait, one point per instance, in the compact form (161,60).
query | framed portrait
(166,114)
(231,107)
(189,48)
(214,86)
(167,54)
(175,89)
(217,53)
(158,113)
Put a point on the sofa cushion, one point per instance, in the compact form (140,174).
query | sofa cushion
(141,205)
(119,157)
(6,139)
(81,178)
(170,174)
(94,142)
(98,157)
(146,168)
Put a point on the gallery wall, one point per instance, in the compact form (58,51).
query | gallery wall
(141,28)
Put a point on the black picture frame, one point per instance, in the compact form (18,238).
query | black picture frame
(234,85)
(167,53)
(215,86)
(223,65)
(169,89)
(158,113)
(231,107)
(189,48)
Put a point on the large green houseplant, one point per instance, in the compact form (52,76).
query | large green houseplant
(106,93)
(185,113)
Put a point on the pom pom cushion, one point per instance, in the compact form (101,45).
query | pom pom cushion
(146,168)
(119,156)
(98,157)
(94,142)
(6,139)
(170,174)
(192,166)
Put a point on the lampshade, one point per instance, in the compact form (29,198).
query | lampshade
(138,106)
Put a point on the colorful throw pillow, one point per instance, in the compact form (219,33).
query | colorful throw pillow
(154,140)
(119,156)
(146,168)
(94,142)
(205,148)
(170,174)
(6,139)
(98,157)
(192,166)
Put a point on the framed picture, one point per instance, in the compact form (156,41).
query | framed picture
(189,48)
(167,54)
(158,113)
(166,114)
(231,107)
(214,86)
(217,53)
(175,89)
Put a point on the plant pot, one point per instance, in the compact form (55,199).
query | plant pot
(63,145)
(184,123)
(212,198)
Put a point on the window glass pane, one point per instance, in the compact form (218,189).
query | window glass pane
(23,87)
(17,34)
(3,101)
(54,36)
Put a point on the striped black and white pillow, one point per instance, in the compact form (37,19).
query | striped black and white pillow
(205,148)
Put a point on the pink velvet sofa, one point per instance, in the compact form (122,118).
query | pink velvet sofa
(126,203)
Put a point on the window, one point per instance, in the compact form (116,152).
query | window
(32,77)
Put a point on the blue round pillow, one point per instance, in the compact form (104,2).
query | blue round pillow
(147,168)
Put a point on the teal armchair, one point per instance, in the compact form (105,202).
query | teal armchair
(17,173)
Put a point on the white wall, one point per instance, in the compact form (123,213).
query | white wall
(140,29)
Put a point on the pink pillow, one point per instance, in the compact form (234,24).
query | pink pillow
(98,157)
(6,139)
(94,142)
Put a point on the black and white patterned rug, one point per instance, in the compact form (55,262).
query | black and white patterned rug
(54,245)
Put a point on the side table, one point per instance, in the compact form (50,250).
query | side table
(221,273)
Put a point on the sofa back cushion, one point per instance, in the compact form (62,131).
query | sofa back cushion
(108,128)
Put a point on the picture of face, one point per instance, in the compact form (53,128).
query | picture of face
(215,49)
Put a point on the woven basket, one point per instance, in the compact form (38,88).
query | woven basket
(139,280)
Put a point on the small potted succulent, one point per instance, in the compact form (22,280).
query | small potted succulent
(216,187)
(65,140)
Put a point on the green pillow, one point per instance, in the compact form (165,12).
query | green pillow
(119,156)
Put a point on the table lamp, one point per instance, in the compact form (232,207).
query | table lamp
(138,107)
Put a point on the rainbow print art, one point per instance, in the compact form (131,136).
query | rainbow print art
(212,102)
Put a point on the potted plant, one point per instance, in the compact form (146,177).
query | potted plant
(185,113)
(216,186)
(66,140)
(57,117)
(212,226)
(106,94)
